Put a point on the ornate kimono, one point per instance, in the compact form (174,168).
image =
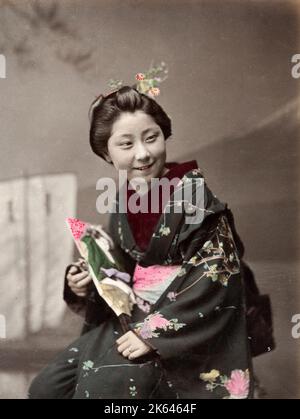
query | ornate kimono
(190,310)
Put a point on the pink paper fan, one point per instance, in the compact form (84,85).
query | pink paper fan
(77,227)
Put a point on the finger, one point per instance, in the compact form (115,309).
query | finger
(79,277)
(136,354)
(128,352)
(72,283)
(72,275)
(81,294)
(79,290)
(84,282)
(73,269)
(123,347)
(76,268)
(82,265)
(81,262)
(123,338)
(76,289)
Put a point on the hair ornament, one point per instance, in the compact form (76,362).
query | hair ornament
(147,82)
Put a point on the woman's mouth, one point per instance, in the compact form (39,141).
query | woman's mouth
(143,168)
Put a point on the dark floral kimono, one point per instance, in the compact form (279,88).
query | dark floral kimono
(196,327)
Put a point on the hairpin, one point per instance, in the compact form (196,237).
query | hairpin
(146,83)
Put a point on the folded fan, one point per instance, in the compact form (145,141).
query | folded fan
(95,246)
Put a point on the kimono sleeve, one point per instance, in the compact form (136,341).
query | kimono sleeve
(75,303)
(199,316)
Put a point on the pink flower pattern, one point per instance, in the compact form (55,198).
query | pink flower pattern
(140,76)
(157,321)
(148,328)
(238,384)
(143,305)
(146,331)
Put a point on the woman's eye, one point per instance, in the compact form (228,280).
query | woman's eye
(125,145)
(151,138)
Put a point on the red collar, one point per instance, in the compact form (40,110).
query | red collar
(180,169)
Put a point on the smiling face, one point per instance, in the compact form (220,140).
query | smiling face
(137,144)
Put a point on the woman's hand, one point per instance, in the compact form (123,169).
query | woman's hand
(131,347)
(78,281)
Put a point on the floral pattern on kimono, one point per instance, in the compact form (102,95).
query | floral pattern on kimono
(210,284)
(237,385)
(155,322)
(208,297)
(197,326)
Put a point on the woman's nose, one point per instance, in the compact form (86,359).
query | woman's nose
(142,153)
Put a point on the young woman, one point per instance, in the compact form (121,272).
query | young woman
(187,335)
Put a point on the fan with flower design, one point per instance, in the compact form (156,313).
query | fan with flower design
(96,246)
